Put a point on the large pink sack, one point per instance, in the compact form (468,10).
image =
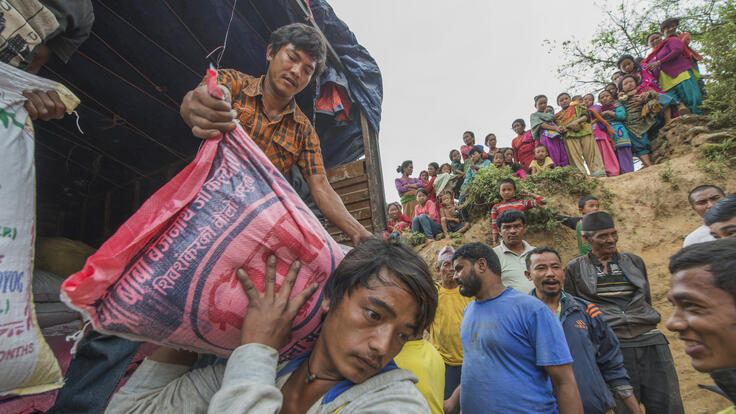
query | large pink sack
(168,274)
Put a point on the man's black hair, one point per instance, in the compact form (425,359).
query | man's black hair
(364,263)
(718,257)
(434,164)
(507,180)
(622,58)
(400,168)
(540,250)
(521,121)
(469,132)
(701,188)
(304,38)
(509,216)
(477,250)
(582,201)
(723,210)
(474,150)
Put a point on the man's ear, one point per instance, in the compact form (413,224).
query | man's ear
(269,53)
(482,264)
(325,305)
(528,275)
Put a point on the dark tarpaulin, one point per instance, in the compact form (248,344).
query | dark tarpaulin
(142,57)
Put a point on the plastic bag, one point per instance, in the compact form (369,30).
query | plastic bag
(26,362)
(168,274)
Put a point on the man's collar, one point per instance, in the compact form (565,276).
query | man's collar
(292,108)
(614,258)
(527,247)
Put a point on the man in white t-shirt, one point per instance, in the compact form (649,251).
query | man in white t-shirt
(702,198)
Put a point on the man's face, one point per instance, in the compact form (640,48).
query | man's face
(704,318)
(604,241)
(518,128)
(724,229)
(547,273)
(368,328)
(513,233)
(704,199)
(466,277)
(289,70)
(468,139)
(590,206)
(655,40)
(447,272)
(564,101)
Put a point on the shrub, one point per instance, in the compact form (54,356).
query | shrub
(720,59)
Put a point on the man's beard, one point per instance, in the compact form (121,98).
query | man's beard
(471,285)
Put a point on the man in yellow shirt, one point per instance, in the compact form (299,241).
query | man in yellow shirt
(423,360)
(444,333)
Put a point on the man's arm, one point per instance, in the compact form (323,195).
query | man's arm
(330,204)
(452,404)
(566,389)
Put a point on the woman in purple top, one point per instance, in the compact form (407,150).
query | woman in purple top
(407,187)
(669,65)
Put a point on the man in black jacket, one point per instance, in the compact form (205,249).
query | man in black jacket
(597,360)
(617,283)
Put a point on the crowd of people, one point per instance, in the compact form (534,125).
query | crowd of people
(599,138)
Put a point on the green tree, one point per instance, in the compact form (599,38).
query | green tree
(624,29)
(720,59)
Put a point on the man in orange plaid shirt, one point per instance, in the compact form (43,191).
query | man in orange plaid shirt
(265,108)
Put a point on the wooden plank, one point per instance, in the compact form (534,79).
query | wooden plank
(352,189)
(375,176)
(345,172)
(355,196)
(350,181)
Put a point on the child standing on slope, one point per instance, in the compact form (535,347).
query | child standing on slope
(507,191)
(615,114)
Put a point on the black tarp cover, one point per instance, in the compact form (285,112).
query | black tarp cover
(142,58)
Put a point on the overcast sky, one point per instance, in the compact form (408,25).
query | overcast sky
(459,65)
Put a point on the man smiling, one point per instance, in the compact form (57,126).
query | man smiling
(703,292)
(597,360)
(379,297)
(618,284)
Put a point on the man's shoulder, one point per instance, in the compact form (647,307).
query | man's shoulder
(699,235)
(572,264)
(395,389)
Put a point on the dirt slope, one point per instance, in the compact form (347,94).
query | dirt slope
(652,217)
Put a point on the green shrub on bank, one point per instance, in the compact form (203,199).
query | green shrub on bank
(482,194)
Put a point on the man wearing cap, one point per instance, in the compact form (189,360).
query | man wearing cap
(444,333)
(617,283)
